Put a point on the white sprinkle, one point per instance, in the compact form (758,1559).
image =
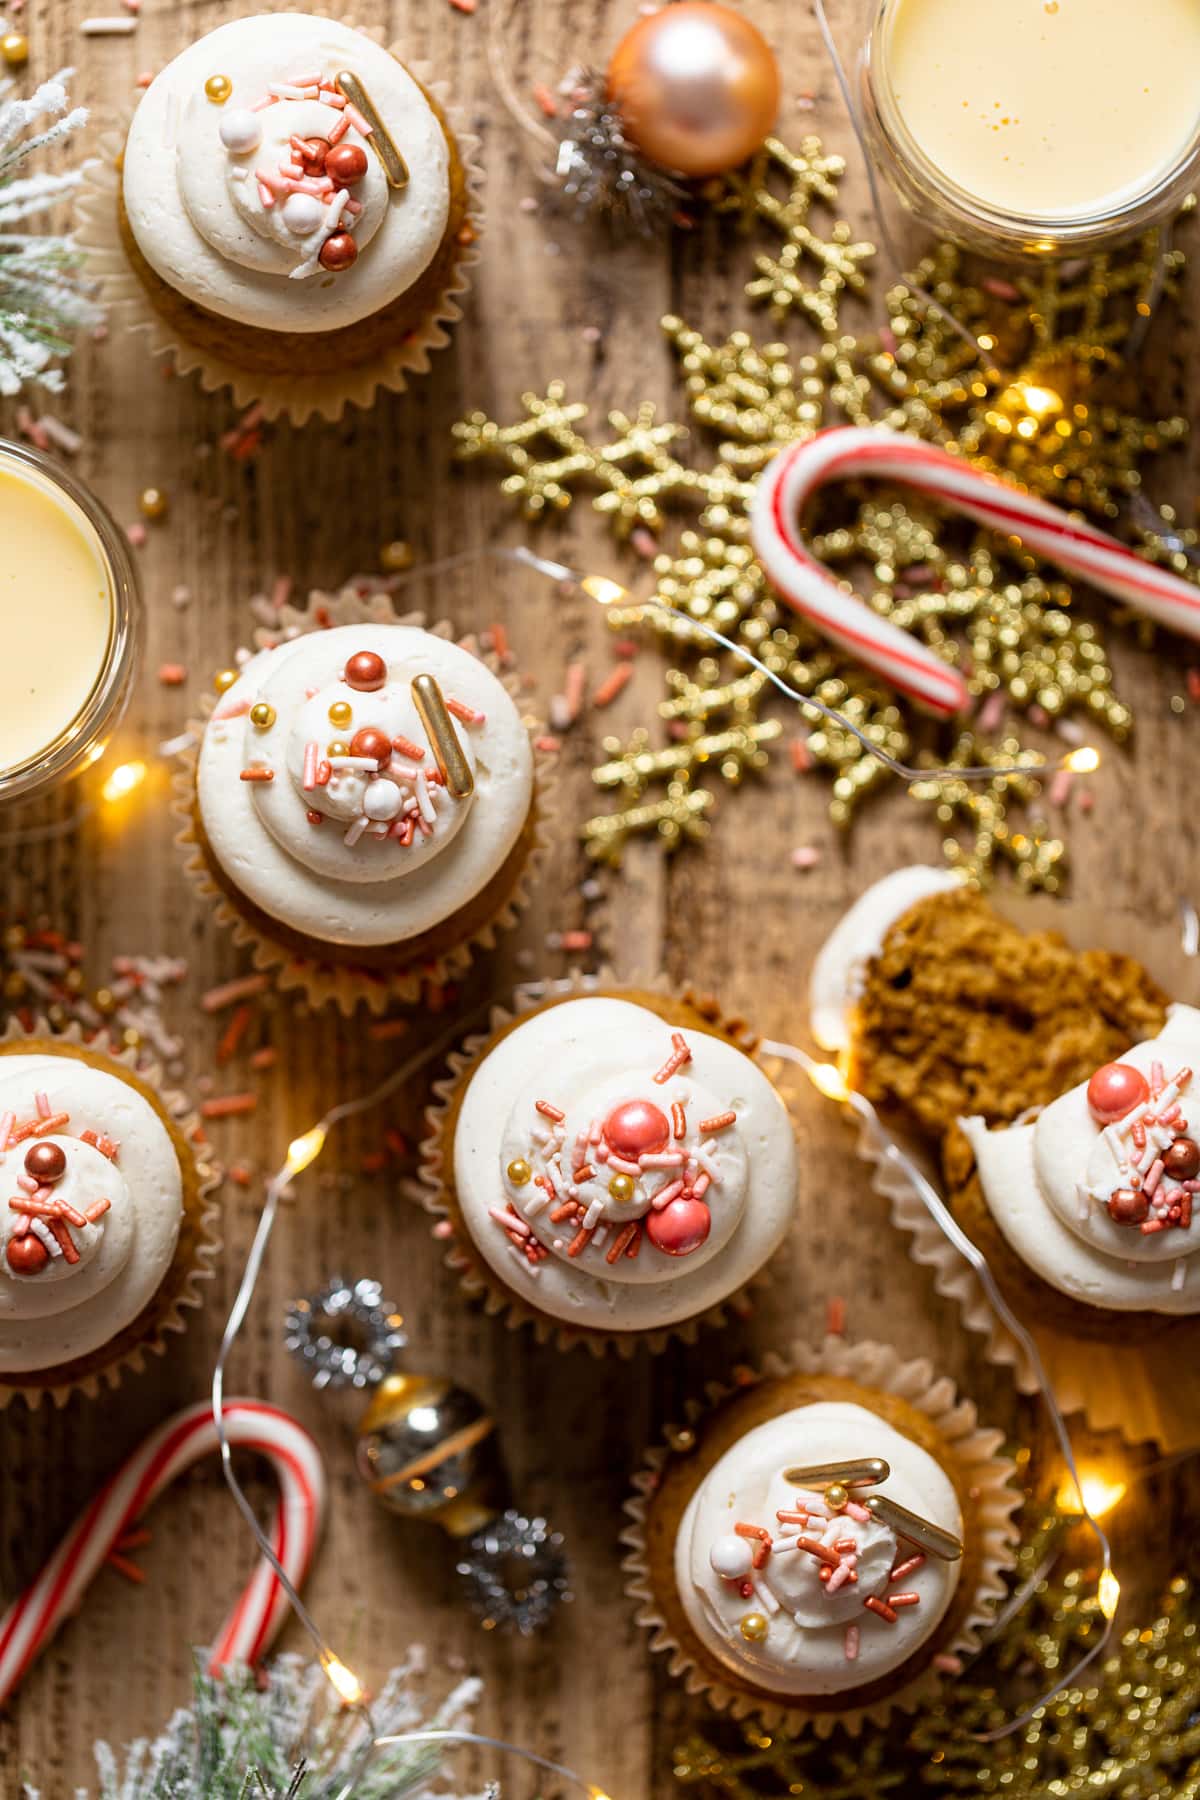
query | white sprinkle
(766,1598)
(287,90)
(105,25)
(529,1268)
(358,826)
(423,800)
(60,434)
(1178,1275)
(333,212)
(352,762)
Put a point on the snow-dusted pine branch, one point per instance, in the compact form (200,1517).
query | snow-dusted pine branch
(44,300)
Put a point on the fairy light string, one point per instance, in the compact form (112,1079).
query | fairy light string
(302,1152)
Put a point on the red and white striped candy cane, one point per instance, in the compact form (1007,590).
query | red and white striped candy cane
(32,1620)
(848,451)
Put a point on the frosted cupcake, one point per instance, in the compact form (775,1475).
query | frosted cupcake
(614,1166)
(364,799)
(294,206)
(104,1229)
(823,1547)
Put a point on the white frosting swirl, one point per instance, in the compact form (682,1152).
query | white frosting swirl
(360,856)
(840,970)
(1048,1182)
(96,1266)
(213,200)
(588,1060)
(805,1649)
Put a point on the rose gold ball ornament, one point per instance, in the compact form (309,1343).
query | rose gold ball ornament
(338,252)
(697,87)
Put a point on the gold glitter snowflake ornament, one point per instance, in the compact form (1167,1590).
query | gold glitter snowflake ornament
(1020,395)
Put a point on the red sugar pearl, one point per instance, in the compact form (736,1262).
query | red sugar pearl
(365,671)
(680,1227)
(46,1162)
(338,252)
(370,741)
(346,164)
(27,1255)
(1127,1206)
(637,1127)
(1115,1090)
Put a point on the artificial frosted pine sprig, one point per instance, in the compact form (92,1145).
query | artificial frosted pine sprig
(44,300)
(288,1740)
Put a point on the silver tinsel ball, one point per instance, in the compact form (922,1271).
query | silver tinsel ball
(514,1573)
(346,1334)
(603,174)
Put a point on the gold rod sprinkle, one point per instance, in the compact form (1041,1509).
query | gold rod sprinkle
(394,165)
(448,752)
(866,1471)
(914,1528)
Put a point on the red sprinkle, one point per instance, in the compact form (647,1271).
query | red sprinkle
(612,684)
(224,1106)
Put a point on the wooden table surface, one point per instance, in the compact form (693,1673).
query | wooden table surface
(548,300)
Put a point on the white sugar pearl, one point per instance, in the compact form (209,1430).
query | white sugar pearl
(731,1557)
(302,213)
(241,131)
(382,800)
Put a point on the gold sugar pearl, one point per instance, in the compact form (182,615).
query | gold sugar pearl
(14,985)
(620,1188)
(396,556)
(681,1438)
(14,48)
(337,748)
(341,713)
(153,503)
(754,1627)
(105,1000)
(836,1497)
(262,715)
(224,679)
(14,937)
(131,1037)
(218,89)
(73,981)
(519,1172)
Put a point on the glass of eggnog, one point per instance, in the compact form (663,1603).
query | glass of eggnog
(1041,127)
(69,624)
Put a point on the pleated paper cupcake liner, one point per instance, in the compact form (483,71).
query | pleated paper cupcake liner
(199,1245)
(917,1402)
(204,351)
(436,1192)
(386,975)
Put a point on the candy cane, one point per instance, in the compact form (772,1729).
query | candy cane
(849,451)
(32,1620)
